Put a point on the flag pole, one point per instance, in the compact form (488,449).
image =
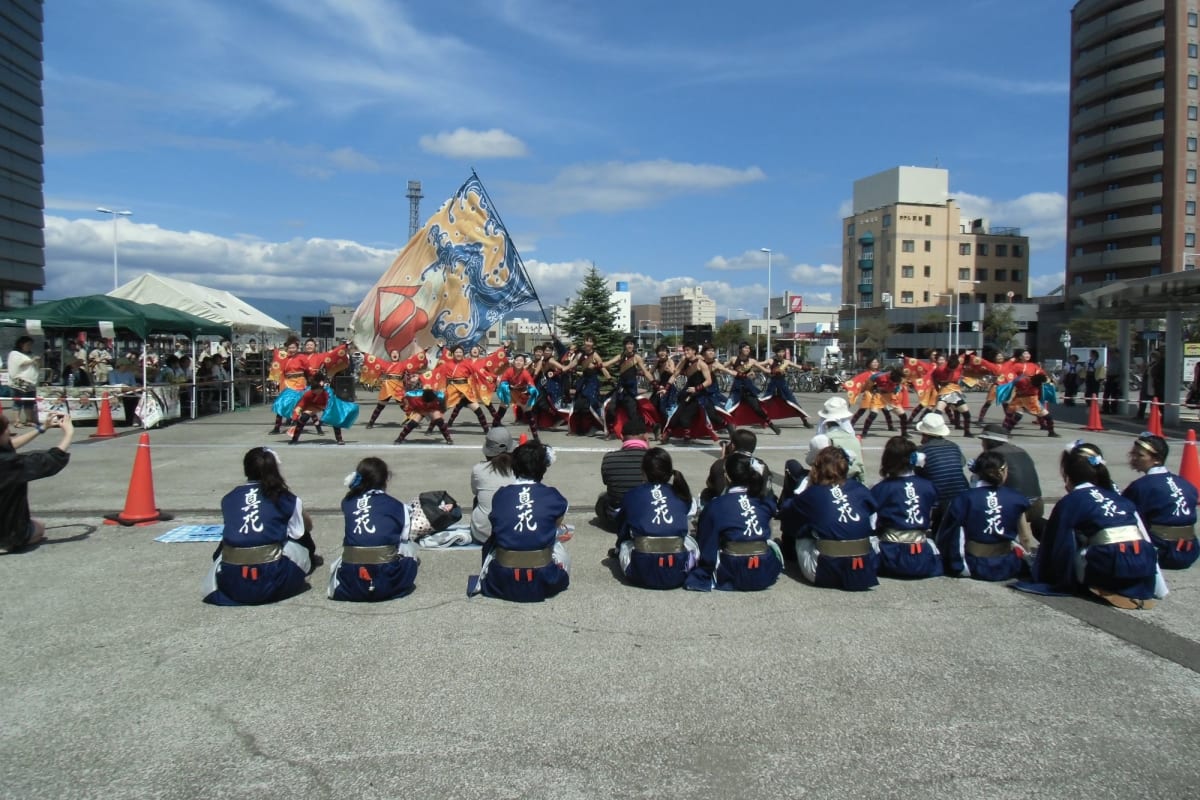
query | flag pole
(520,262)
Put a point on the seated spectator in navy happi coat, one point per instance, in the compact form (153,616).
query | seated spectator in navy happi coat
(904,511)
(831,521)
(1095,539)
(654,545)
(1166,503)
(266,546)
(736,551)
(984,533)
(379,560)
(523,559)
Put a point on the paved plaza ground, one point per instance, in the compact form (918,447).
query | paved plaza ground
(119,683)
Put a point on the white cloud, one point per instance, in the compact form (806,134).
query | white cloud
(1040,215)
(464,143)
(1041,285)
(1002,84)
(782,269)
(621,186)
(846,208)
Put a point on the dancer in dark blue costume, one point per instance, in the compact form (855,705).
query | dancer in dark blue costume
(665,395)
(984,533)
(904,512)
(622,404)
(654,544)
(266,546)
(587,411)
(734,533)
(523,560)
(743,405)
(1095,540)
(777,398)
(1166,503)
(379,560)
(830,523)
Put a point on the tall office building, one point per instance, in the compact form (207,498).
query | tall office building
(690,307)
(621,306)
(1133,133)
(22,243)
(906,245)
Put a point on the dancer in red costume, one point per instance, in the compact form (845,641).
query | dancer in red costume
(393,375)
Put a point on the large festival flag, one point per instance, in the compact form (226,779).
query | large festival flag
(455,279)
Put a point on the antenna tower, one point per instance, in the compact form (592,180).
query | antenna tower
(414,207)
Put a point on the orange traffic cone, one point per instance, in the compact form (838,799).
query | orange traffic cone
(1094,423)
(1155,423)
(524,438)
(104,425)
(1189,467)
(140,508)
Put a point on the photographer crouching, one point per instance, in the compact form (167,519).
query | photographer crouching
(17,528)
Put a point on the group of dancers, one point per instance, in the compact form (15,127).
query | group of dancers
(556,385)
(1017,383)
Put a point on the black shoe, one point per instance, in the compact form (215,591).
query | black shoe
(370,425)
(807,424)
(1054,435)
(276,430)
(612,552)
(775,428)
(320,431)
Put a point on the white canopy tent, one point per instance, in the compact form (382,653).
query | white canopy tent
(214,304)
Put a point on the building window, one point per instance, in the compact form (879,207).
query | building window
(1078,251)
(1192,18)
(1194,81)
(1002,250)
(1193,112)
(1189,208)
(1159,114)
(928,271)
(1193,50)
(1157,147)
(964,274)
(924,297)
(1156,177)
(850,229)
(1189,240)
(928,220)
(1079,222)
(1191,145)
(1190,176)
(908,246)
(906,297)
(1001,274)
(1016,275)
(1017,251)
(1112,215)
(1110,277)
(1156,240)
(887,220)
(1110,246)
(1156,208)
(928,246)
(983,249)
(981,275)
(906,272)
(964,249)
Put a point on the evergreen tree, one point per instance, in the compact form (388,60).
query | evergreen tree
(592,314)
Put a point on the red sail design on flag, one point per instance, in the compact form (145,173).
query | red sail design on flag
(455,279)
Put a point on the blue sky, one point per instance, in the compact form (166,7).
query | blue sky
(264,146)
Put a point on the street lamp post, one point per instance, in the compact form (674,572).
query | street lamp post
(949,321)
(854,332)
(115,214)
(767,250)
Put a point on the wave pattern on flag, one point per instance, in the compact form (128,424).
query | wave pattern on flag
(455,279)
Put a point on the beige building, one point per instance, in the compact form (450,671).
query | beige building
(690,307)
(1135,90)
(907,245)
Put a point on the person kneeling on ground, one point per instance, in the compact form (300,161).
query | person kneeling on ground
(17,528)
(1095,539)
(266,548)
(621,470)
(523,560)
(734,533)
(654,545)
(830,523)
(379,560)
(984,533)
(1166,503)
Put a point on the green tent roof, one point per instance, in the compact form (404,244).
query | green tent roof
(75,313)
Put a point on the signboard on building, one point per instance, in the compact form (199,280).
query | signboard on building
(1191,355)
(796,304)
